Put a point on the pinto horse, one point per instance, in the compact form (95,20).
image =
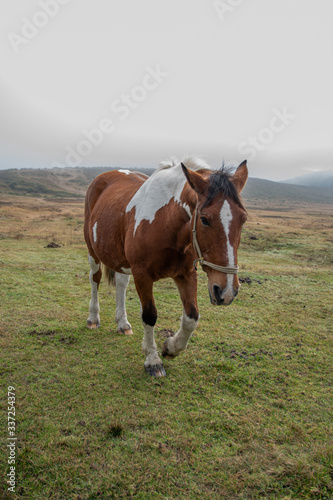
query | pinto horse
(160,227)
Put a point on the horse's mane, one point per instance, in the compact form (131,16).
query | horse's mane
(221,182)
(190,162)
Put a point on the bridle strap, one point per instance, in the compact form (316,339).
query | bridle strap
(203,262)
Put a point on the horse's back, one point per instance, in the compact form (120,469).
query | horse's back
(105,208)
(124,181)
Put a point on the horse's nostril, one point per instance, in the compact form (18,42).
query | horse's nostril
(218,293)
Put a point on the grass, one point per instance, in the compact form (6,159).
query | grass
(244,413)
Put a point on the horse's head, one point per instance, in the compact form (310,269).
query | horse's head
(218,222)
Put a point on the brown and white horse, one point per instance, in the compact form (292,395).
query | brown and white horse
(159,227)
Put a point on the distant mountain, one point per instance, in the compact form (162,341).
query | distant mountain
(56,182)
(315,179)
(261,192)
(73,182)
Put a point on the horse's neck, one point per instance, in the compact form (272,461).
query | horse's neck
(180,219)
(188,199)
(157,192)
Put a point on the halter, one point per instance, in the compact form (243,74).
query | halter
(203,262)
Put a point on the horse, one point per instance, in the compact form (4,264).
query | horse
(159,227)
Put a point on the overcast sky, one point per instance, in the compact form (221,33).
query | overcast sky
(130,83)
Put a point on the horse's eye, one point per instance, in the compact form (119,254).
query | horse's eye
(204,221)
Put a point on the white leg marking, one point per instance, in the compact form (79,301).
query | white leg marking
(94,305)
(122,281)
(95,232)
(126,270)
(149,347)
(226,218)
(178,343)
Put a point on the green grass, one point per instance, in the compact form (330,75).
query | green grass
(244,413)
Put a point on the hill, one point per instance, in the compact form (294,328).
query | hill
(73,183)
(54,182)
(262,191)
(315,179)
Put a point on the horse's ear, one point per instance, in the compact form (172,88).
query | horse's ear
(240,176)
(195,180)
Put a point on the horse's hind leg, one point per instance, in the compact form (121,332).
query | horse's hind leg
(187,287)
(95,275)
(122,281)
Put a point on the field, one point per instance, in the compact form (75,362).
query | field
(244,413)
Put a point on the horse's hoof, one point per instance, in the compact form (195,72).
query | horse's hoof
(125,332)
(92,326)
(165,352)
(156,371)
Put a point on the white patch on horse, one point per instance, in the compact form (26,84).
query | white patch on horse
(178,343)
(124,171)
(95,232)
(226,218)
(165,184)
(93,266)
(126,270)
(187,209)
(94,305)
(121,316)
(149,347)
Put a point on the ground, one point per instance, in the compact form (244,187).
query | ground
(244,413)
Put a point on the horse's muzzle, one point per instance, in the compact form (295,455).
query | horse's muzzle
(222,296)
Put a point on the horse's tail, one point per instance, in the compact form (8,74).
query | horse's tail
(109,274)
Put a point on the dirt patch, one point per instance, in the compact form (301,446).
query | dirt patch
(42,333)
(249,280)
(242,353)
(165,333)
(53,245)
(67,340)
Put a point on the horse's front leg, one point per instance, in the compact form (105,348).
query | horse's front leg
(187,287)
(153,363)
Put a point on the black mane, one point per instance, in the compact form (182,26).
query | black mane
(220,182)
